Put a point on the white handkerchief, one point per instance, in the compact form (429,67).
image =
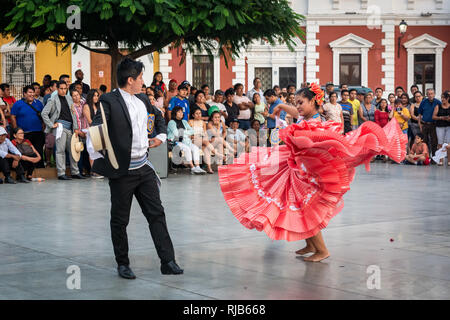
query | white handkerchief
(59,131)
(90,148)
(441,153)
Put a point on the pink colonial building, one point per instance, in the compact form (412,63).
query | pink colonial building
(357,42)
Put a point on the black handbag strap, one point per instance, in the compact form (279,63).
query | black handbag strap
(37,112)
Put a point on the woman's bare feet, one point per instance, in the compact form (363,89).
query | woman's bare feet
(305,250)
(318,256)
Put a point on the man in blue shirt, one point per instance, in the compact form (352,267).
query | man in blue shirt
(26,114)
(426,123)
(180,101)
(273,101)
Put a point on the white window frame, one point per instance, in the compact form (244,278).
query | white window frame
(351,44)
(216,65)
(426,44)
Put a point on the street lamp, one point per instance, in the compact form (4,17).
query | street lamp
(402,27)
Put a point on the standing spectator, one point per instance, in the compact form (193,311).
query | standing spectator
(26,114)
(200,102)
(158,83)
(356,108)
(66,79)
(382,114)
(441,115)
(79,75)
(360,96)
(378,97)
(277,90)
(402,115)
(172,92)
(3,121)
(37,92)
(344,87)
(46,80)
(102,89)
(329,88)
(89,110)
(191,94)
(232,108)
(179,134)
(78,106)
(414,110)
(261,111)
(257,84)
(9,159)
(391,101)
(426,123)
(273,101)
(347,110)
(56,113)
(52,87)
(245,106)
(30,156)
(414,88)
(419,152)
(291,89)
(7,97)
(367,109)
(180,100)
(333,110)
(78,87)
(205,89)
(217,101)
(398,92)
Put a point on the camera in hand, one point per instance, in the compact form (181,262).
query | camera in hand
(399,109)
(180,139)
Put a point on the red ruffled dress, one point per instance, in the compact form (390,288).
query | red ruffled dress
(292,191)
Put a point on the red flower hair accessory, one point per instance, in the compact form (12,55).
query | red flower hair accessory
(320,95)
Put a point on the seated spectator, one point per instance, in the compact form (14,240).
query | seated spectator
(217,132)
(179,134)
(261,110)
(30,156)
(200,103)
(419,152)
(10,159)
(200,138)
(257,137)
(208,97)
(237,138)
(441,115)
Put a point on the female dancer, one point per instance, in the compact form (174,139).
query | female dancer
(292,191)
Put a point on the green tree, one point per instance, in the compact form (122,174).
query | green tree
(145,26)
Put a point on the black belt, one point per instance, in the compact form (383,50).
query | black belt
(424,122)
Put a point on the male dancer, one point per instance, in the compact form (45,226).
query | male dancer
(126,112)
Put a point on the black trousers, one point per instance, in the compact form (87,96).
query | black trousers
(6,166)
(142,183)
(430,136)
(37,139)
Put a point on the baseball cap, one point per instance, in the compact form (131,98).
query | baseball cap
(186,83)
(213,109)
(235,120)
(182,86)
(219,93)
(172,80)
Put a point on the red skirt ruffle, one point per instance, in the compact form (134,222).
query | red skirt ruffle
(292,191)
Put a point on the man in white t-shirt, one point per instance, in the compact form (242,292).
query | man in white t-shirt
(256,89)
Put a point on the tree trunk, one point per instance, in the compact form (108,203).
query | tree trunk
(116,56)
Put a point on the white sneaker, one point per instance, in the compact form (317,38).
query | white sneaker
(197,170)
(201,170)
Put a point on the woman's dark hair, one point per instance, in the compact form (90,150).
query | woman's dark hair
(128,68)
(90,102)
(204,86)
(154,79)
(420,135)
(404,94)
(197,93)
(191,113)
(229,92)
(308,94)
(391,94)
(15,130)
(72,91)
(253,121)
(379,104)
(254,95)
(447,95)
(237,85)
(175,111)
(212,115)
(333,93)
(398,101)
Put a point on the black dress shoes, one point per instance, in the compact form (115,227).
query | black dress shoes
(171,268)
(64,177)
(9,180)
(77,176)
(22,179)
(125,272)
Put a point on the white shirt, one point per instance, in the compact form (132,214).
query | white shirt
(139,117)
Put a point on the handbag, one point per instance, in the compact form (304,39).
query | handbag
(25,149)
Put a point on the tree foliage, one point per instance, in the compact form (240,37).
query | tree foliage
(145,26)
